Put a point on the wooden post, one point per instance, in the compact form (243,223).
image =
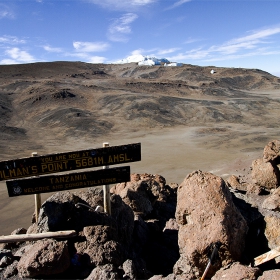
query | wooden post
(106,190)
(37,197)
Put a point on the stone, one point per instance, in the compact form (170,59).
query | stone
(265,174)
(273,201)
(45,257)
(235,183)
(206,215)
(11,270)
(237,271)
(271,152)
(104,272)
(270,275)
(272,231)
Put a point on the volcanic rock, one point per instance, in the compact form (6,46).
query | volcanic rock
(45,257)
(265,174)
(237,271)
(206,215)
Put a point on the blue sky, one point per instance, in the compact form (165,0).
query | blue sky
(201,32)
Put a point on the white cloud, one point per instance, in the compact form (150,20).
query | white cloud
(51,49)
(6,12)
(91,46)
(120,27)
(167,51)
(96,59)
(11,40)
(125,5)
(18,56)
(251,41)
(245,46)
(177,4)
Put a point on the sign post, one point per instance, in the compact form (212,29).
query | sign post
(15,171)
(106,190)
(37,197)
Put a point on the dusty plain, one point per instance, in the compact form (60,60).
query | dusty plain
(184,117)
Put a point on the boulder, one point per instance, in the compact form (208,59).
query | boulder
(237,271)
(149,196)
(235,183)
(273,201)
(110,252)
(264,174)
(272,231)
(104,272)
(11,270)
(270,275)
(271,152)
(206,214)
(45,257)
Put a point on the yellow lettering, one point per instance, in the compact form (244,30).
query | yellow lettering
(34,169)
(121,157)
(25,171)
(12,172)
(110,160)
(44,167)
(19,173)
(100,160)
(116,158)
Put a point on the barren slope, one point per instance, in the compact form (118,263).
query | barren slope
(185,117)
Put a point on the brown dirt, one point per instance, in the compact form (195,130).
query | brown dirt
(185,118)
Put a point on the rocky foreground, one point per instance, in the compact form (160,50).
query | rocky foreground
(158,231)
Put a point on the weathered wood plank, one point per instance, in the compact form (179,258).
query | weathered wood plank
(267,256)
(29,237)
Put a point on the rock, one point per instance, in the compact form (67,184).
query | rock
(264,174)
(92,196)
(100,234)
(5,261)
(16,244)
(104,272)
(60,212)
(22,250)
(273,201)
(148,195)
(270,275)
(129,270)
(138,202)
(272,231)
(111,252)
(237,271)
(11,270)
(124,217)
(254,189)
(206,215)
(271,152)
(235,183)
(45,257)
(6,257)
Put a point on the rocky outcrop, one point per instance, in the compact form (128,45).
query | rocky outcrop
(237,271)
(45,257)
(265,174)
(206,214)
(271,152)
(157,231)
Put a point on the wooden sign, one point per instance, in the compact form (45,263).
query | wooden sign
(55,183)
(47,164)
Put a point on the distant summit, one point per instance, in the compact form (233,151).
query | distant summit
(143,60)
